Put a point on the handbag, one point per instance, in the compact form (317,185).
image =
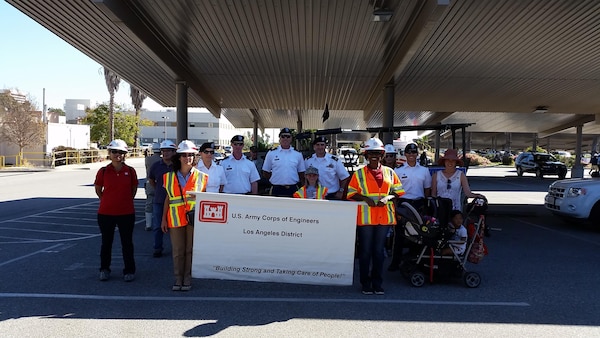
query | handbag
(189,214)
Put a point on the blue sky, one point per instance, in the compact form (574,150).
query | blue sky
(33,58)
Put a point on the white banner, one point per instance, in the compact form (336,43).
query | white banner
(273,239)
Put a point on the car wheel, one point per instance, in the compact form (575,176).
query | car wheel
(562,175)
(417,279)
(538,173)
(472,279)
(595,213)
(519,171)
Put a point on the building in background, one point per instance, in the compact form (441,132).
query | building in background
(75,109)
(202,127)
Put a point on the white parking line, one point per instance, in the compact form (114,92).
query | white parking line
(371,299)
(30,254)
(562,233)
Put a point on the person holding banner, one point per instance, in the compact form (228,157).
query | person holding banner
(284,166)
(312,188)
(242,176)
(376,185)
(177,183)
(207,165)
(332,173)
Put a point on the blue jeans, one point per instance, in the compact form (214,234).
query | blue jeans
(371,243)
(157,214)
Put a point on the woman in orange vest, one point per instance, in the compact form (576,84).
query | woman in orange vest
(312,188)
(376,185)
(184,177)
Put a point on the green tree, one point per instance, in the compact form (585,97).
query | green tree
(126,126)
(20,124)
(423,143)
(137,99)
(112,84)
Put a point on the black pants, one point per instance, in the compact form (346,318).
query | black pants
(284,190)
(107,226)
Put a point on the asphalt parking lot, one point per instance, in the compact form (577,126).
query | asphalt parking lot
(540,278)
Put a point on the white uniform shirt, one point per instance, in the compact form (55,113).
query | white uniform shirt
(414,180)
(331,170)
(240,174)
(284,166)
(216,176)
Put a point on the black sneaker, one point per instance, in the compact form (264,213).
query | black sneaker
(367,291)
(379,291)
(104,275)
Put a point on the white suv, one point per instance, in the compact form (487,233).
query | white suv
(575,198)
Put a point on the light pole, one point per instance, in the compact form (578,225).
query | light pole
(165,127)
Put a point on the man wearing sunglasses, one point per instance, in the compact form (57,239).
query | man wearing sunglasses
(242,176)
(416,181)
(332,173)
(284,166)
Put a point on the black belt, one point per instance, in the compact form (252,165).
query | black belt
(289,186)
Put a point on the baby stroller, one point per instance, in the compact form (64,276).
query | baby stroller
(426,261)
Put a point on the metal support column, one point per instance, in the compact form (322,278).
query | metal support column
(255,133)
(577,170)
(181,112)
(388,113)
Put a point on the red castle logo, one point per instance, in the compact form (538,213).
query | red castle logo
(213,212)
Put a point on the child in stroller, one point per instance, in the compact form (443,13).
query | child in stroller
(439,254)
(458,240)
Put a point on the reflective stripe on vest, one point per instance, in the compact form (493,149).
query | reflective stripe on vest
(177,206)
(321,192)
(366,185)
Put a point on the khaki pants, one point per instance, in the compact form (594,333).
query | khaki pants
(182,241)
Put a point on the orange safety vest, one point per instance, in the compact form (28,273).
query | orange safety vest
(321,192)
(177,206)
(362,182)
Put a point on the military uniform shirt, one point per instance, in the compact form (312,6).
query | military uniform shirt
(284,166)
(331,170)
(240,175)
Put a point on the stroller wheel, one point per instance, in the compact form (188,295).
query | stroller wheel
(417,278)
(472,279)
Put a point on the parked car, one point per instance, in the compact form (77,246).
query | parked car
(541,164)
(348,156)
(218,157)
(576,198)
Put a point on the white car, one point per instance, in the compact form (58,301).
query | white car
(577,198)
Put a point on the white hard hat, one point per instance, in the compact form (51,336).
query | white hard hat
(389,149)
(118,144)
(168,144)
(373,144)
(187,146)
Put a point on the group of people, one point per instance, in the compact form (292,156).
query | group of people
(170,178)
(174,174)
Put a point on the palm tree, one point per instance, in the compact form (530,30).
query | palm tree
(137,99)
(112,83)
(423,143)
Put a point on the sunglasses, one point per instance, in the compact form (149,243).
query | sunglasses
(373,153)
(390,155)
(208,151)
(238,143)
(188,155)
(448,184)
(285,136)
(118,152)
(412,152)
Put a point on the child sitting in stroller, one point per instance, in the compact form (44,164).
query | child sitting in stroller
(458,240)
